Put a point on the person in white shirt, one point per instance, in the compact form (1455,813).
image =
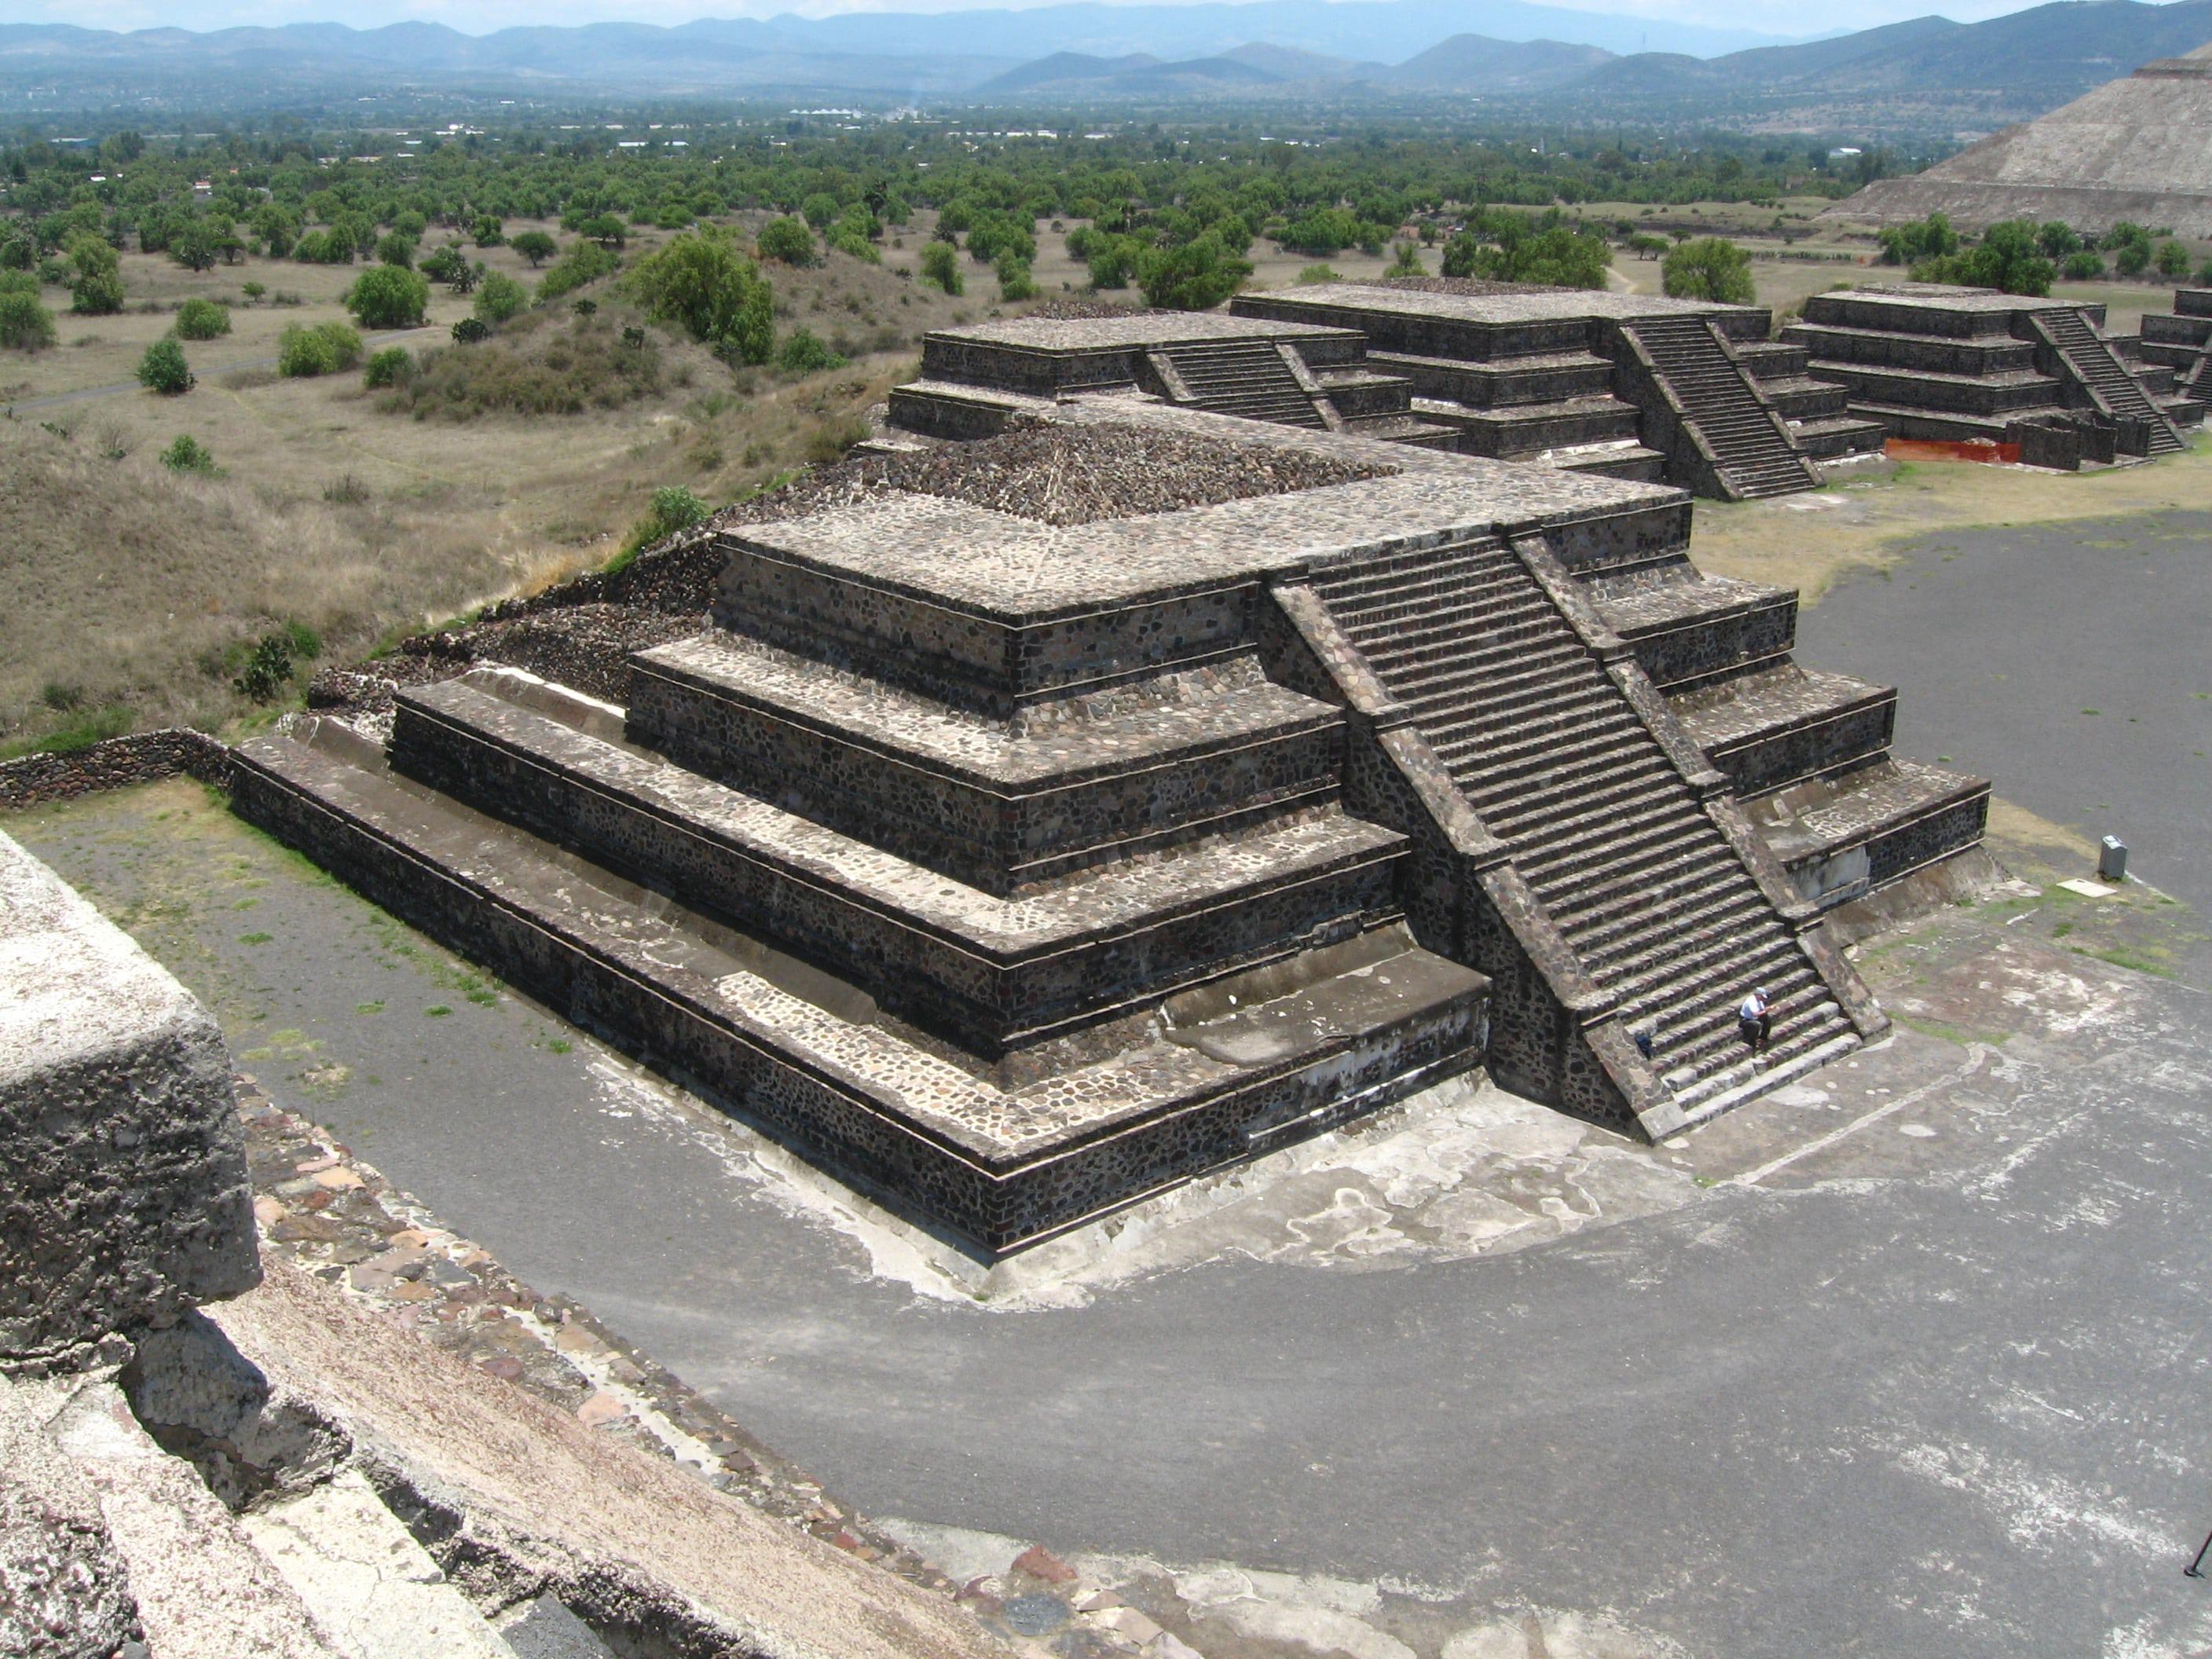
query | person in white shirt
(1755,1022)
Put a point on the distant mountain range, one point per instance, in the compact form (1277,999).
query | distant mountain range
(1562,61)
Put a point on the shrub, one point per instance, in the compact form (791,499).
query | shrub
(387,367)
(388,296)
(703,283)
(2171,259)
(1407,263)
(163,370)
(1015,282)
(803,353)
(202,319)
(501,298)
(25,325)
(471,331)
(588,262)
(324,348)
(188,454)
(397,250)
(550,371)
(674,508)
(266,670)
(1708,268)
(940,264)
(2084,266)
(852,244)
(1315,274)
(787,241)
(253,291)
(535,245)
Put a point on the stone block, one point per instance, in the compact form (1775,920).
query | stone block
(127,1201)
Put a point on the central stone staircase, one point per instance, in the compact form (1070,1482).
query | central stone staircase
(2088,359)
(1555,758)
(1250,379)
(1751,448)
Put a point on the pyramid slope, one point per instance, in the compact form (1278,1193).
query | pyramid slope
(2137,148)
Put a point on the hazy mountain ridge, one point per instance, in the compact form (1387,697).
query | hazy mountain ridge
(2026,62)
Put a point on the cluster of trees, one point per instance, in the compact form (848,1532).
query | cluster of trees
(2021,257)
(1498,245)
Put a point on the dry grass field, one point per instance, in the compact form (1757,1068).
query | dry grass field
(131,591)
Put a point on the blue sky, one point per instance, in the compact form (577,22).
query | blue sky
(483,16)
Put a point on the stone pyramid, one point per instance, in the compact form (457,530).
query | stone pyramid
(2137,148)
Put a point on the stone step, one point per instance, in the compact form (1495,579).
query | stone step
(1784,1063)
(1709,1040)
(1604,870)
(1624,940)
(1638,882)
(994,972)
(1460,585)
(1597,775)
(990,807)
(1417,569)
(1580,814)
(1593,842)
(1487,755)
(1387,647)
(366,1579)
(1268,1053)
(1681,978)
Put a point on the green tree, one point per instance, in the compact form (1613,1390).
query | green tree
(96,279)
(820,209)
(535,245)
(703,282)
(397,250)
(25,323)
(1197,275)
(1015,282)
(2171,259)
(388,296)
(604,228)
(1407,262)
(194,246)
(2057,239)
(499,298)
(1708,268)
(940,264)
(202,319)
(787,241)
(163,368)
(2084,266)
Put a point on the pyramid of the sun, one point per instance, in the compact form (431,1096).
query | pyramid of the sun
(2137,148)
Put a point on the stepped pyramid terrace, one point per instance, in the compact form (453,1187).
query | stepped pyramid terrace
(1613,385)
(1925,360)
(1046,817)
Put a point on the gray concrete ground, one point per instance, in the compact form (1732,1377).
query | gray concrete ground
(1908,1358)
(2067,660)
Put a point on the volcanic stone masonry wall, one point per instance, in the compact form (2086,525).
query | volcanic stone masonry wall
(126,1202)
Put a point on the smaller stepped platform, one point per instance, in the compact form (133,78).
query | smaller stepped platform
(1562,376)
(1928,361)
(2180,342)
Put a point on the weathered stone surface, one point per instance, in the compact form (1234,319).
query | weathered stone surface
(519,1500)
(125,1202)
(64,1592)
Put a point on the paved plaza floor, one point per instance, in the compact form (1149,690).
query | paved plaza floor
(1909,1357)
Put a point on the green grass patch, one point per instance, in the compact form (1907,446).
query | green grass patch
(2139,959)
(436,1010)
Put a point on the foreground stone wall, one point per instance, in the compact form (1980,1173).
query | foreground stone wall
(126,1202)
